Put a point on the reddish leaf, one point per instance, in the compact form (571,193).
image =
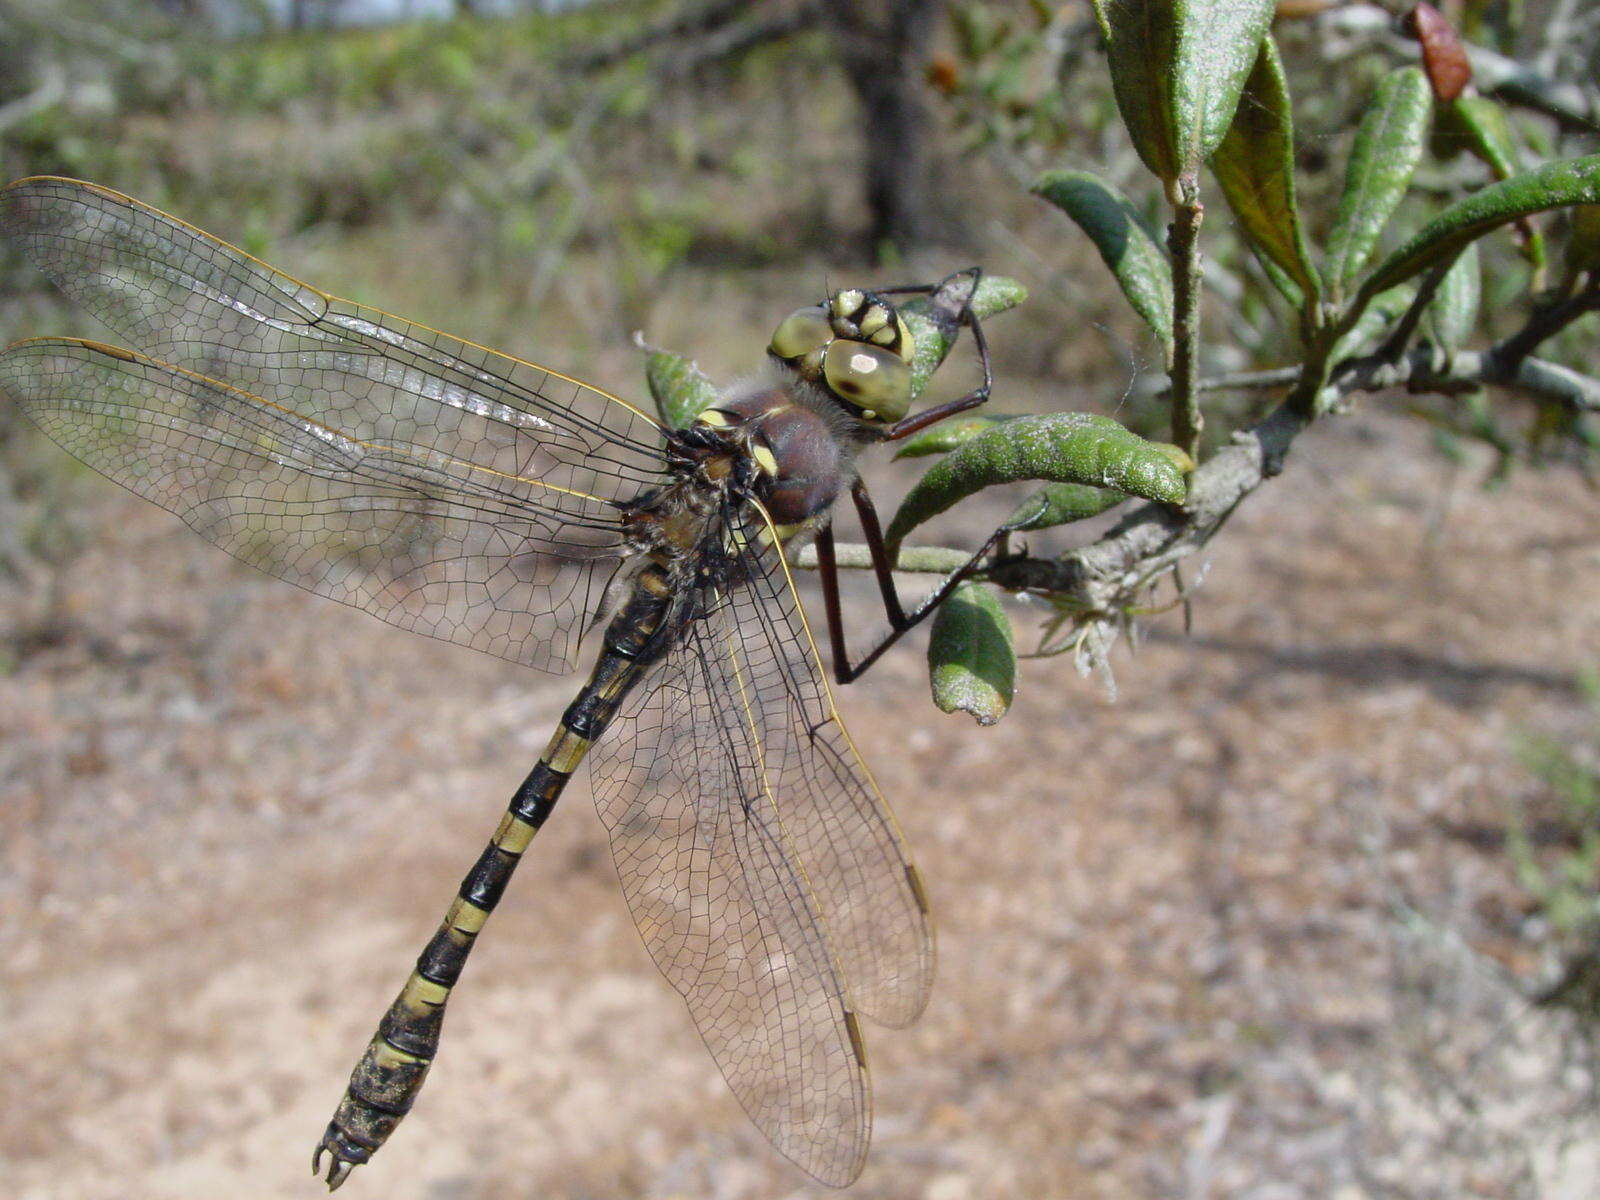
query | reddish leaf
(1443,56)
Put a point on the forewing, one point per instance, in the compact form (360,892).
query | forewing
(449,548)
(229,326)
(764,872)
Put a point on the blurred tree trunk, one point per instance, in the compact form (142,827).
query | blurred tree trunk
(883,47)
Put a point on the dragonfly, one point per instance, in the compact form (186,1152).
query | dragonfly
(479,498)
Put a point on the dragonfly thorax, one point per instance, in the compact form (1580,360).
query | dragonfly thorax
(801,444)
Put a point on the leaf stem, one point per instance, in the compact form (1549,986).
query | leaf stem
(1183,243)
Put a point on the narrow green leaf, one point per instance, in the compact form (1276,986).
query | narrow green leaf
(680,389)
(1480,126)
(1141,40)
(1061,504)
(935,321)
(1177,67)
(947,435)
(1055,447)
(1453,312)
(1140,266)
(1556,185)
(1388,146)
(972,657)
(1255,167)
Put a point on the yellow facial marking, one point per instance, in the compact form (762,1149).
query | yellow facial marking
(765,459)
(714,418)
(883,336)
(877,318)
(846,302)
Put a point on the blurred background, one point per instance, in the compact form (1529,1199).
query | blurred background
(1266,921)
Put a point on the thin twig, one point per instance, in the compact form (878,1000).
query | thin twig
(1393,346)
(1546,322)
(918,560)
(1239,381)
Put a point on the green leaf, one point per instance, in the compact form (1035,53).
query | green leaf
(1061,504)
(1480,126)
(972,657)
(1453,311)
(1387,148)
(1556,185)
(1140,266)
(1056,447)
(1255,167)
(1177,67)
(947,435)
(680,389)
(935,321)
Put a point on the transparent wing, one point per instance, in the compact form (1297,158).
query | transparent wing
(503,563)
(188,300)
(764,871)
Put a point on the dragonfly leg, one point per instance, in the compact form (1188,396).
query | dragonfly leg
(828,574)
(939,412)
(873,532)
(900,621)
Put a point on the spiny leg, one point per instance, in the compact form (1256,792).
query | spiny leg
(828,572)
(867,511)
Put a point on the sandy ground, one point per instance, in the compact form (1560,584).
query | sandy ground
(1245,932)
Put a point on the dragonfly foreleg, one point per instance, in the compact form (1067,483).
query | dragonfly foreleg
(979,395)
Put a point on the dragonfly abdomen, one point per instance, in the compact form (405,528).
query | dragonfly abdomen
(390,1074)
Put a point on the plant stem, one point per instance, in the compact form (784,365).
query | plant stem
(920,560)
(1545,324)
(1183,243)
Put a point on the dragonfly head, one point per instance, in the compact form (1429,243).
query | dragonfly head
(858,347)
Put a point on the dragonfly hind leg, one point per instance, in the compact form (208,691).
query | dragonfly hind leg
(901,622)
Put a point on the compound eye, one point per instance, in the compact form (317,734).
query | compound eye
(801,332)
(873,379)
